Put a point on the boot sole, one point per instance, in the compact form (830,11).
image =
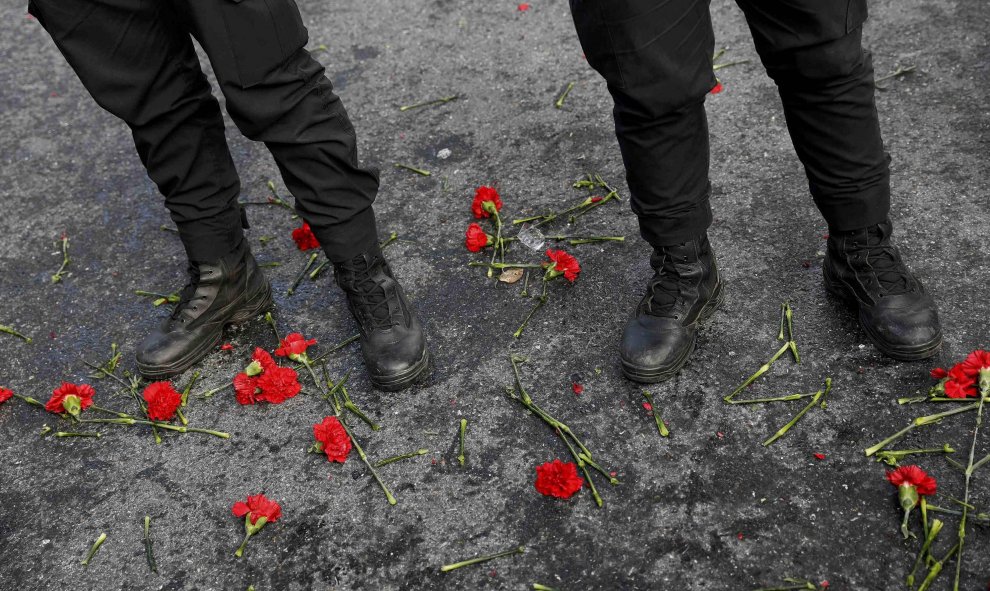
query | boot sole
(915,353)
(414,374)
(260,302)
(651,375)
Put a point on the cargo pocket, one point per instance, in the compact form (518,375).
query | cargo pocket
(262,34)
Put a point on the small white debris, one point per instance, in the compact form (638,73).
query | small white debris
(443,154)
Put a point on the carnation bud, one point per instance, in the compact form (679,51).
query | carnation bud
(253,369)
(984,380)
(907,495)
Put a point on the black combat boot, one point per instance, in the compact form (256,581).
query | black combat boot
(685,289)
(392,340)
(864,269)
(222,292)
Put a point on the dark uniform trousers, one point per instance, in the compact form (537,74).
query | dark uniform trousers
(136,58)
(656,56)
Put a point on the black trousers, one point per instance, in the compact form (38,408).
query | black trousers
(656,57)
(136,58)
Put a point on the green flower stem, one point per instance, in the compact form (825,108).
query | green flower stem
(388,241)
(872,450)
(788,398)
(460,457)
(160,425)
(612,195)
(11,331)
(189,387)
(799,585)
(936,568)
(718,67)
(270,321)
(45,430)
(418,171)
(891,457)
(364,458)
(539,587)
(210,393)
(819,395)
(77,434)
(318,269)
(661,426)
(337,347)
(349,405)
(338,386)
(789,314)
(309,366)
(559,103)
(935,418)
(587,460)
(923,505)
(148,543)
(29,400)
(915,399)
(160,298)
(525,290)
(60,274)
(498,235)
(299,278)
(980,463)
(591,485)
(276,200)
(539,303)
(900,71)
(456,565)
(165,228)
(132,390)
(929,539)
(578,209)
(983,518)
(763,369)
(984,391)
(92,551)
(249,530)
(399,458)
(439,101)
(576,240)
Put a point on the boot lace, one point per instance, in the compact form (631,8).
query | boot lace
(368,293)
(186,295)
(883,259)
(663,293)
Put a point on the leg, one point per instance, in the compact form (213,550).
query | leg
(657,60)
(813,51)
(139,65)
(278,94)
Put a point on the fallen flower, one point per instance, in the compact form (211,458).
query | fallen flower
(257,511)
(819,456)
(332,439)
(717,88)
(304,237)
(475,238)
(562,264)
(162,400)
(487,202)
(5,395)
(912,483)
(450,567)
(294,346)
(558,479)
(265,381)
(70,398)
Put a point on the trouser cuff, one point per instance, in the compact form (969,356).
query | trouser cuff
(208,240)
(342,242)
(856,210)
(670,230)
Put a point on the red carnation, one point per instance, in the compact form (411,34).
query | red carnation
(562,264)
(265,381)
(577,388)
(304,237)
(162,401)
(257,511)
(278,384)
(960,383)
(226,347)
(486,202)
(558,479)
(333,439)
(70,398)
(938,373)
(912,482)
(523,7)
(717,88)
(258,506)
(5,395)
(475,238)
(294,346)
